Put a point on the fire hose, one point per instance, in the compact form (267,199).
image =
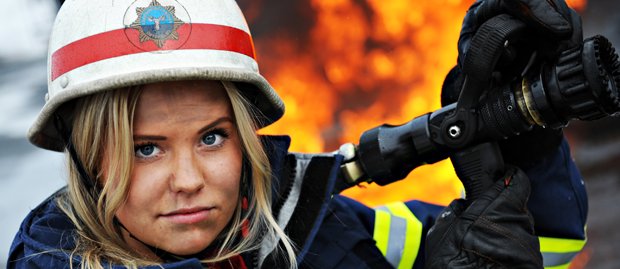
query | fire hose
(582,83)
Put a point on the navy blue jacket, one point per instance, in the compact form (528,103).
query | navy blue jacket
(338,232)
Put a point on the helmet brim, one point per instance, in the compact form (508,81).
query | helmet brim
(43,134)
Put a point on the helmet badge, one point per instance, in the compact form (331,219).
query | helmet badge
(156,23)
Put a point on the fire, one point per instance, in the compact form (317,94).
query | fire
(578,5)
(363,64)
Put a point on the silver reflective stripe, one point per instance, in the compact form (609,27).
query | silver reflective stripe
(397,237)
(270,243)
(551,259)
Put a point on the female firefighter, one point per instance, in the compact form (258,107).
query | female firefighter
(157,103)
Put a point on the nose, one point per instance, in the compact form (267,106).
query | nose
(187,176)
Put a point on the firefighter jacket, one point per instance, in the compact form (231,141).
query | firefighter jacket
(333,231)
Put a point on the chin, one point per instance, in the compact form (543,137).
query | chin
(188,251)
(188,245)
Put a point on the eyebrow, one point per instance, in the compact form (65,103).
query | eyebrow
(149,137)
(162,138)
(213,124)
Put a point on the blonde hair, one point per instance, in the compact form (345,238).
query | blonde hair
(103,136)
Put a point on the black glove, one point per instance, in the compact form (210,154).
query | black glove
(556,27)
(554,24)
(495,231)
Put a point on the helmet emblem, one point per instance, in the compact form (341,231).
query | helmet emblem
(157,23)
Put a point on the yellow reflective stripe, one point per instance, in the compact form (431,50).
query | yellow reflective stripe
(558,253)
(382,230)
(549,244)
(414,234)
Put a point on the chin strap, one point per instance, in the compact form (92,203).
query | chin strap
(65,136)
(162,254)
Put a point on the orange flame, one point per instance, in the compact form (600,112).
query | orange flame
(366,63)
(578,5)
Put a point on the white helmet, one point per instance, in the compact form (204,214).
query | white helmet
(100,45)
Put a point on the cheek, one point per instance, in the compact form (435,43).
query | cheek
(225,174)
(148,181)
(146,188)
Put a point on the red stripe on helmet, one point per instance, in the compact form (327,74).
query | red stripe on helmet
(117,43)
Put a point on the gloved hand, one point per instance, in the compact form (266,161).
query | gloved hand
(555,28)
(495,231)
(552,21)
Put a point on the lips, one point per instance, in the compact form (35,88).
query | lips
(188,215)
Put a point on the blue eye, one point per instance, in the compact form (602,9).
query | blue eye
(215,138)
(146,150)
(209,139)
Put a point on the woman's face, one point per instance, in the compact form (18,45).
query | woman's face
(185,182)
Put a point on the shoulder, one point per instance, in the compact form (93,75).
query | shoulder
(46,228)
